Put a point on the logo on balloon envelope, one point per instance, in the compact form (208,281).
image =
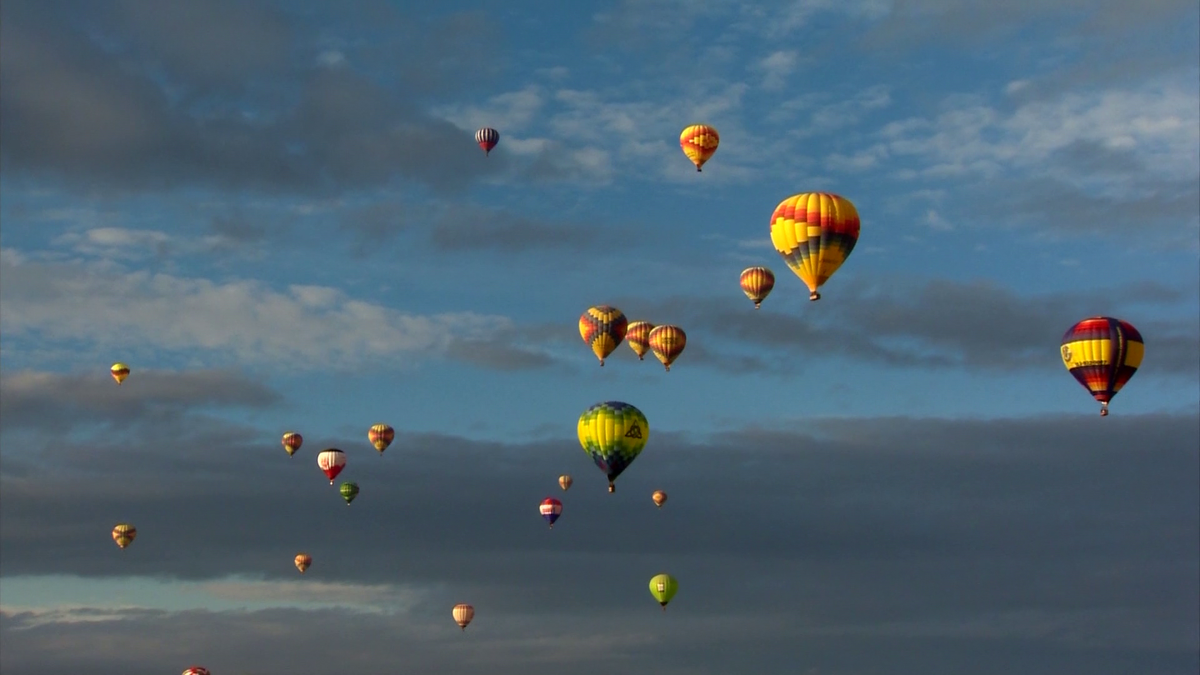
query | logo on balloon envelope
(1066,353)
(635,431)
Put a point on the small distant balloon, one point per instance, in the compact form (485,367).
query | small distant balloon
(349,491)
(197,670)
(663,587)
(381,436)
(667,343)
(757,283)
(124,534)
(119,372)
(699,142)
(463,613)
(637,334)
(564,481)
(303,562)
(331,461)
(659,498)
(487,138)
(292,442)
(550,509)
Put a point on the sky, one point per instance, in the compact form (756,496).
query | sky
(276,214)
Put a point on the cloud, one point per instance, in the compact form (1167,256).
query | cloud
(776,68)
(463,228)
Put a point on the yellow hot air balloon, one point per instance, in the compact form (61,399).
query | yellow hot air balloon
(381,436)
(303,561)
(637,334)
(463,613)
(699,142)
(119,372)
(815,233)
(1102,353)
(124,534)
(667,343)
(757,283)
(602,328)
(564,481)
(613,434)
(659,497)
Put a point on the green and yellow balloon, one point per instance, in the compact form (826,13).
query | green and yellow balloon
(613,435)
(663,587)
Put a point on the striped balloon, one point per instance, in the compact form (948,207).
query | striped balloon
(659,498)
(119,372)
(667,343)
(487,138)
(303,562)
(1102,353)
(815,233)
(699,142)
(638,337)
(331,462)
(381,436)
(602,328)
(292,442)
(124,534)
(757,283)
(463,613)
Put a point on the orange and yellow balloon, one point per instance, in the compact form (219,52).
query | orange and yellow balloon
(119,372)
(124,534)
(463,613)
(757,283)
(292,442)
(381,436)
(815,233)
(1102,353)
(699,142)
(303,562)
(667,343)
(602,328)
(565,481)
(659,498)
(638,337)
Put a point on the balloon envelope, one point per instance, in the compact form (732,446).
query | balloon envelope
(1102,353)
(637,334)
(699,142)
(602,328)
(613,434)
(815,233)
(663,587)
(119,372)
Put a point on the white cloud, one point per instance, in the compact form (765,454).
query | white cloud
(776,68)
(507,112)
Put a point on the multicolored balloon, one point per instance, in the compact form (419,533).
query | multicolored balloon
(667,343)
(659,498)
(303,561)
(331,461)
(602,328)
(463,613)
(487,138)
(663,587)
(564,481)
(699,142)
(550,509)
(1102,353)
(197,670)
(757,283)
(637,334)
(381,436)
(124,534)
(613,434)
(815,233)
(119,372)
(349,491)
(292,442)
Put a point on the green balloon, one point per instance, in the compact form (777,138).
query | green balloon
(349,492)
(663,587)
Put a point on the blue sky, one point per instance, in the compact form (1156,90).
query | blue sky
(276,214)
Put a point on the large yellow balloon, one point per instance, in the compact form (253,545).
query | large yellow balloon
(815,233)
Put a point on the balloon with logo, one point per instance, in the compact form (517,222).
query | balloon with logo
(331,461)
(292,442)
(667,343)
(637,334)
(564,481)
(602,328)
(613,434)
(551,509)
(303,562)
(663,587)
(1102,353)
(487,138)
(463,613)
(699,142)
(757,283)
(124,534)
(815,233)
(349,491)
(119,372)
(381,436)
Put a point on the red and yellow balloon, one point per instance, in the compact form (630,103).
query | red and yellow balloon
(815,233)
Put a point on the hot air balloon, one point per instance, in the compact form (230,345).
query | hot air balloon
(564,481)
(613,435)
(659,498)
(124,534)
(815,233)
(487,138)
(1102,353)
(303,561)
(292,442)
(349,491)
(550,509)
(757,283)
(638,336)
(699,142)
(197,670)
(381,436)
(119,372)
(663,587)
(667,343)
(331,462)
(602,328)
(463,613)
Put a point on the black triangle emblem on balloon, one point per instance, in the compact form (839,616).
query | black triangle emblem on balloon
(635,431)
